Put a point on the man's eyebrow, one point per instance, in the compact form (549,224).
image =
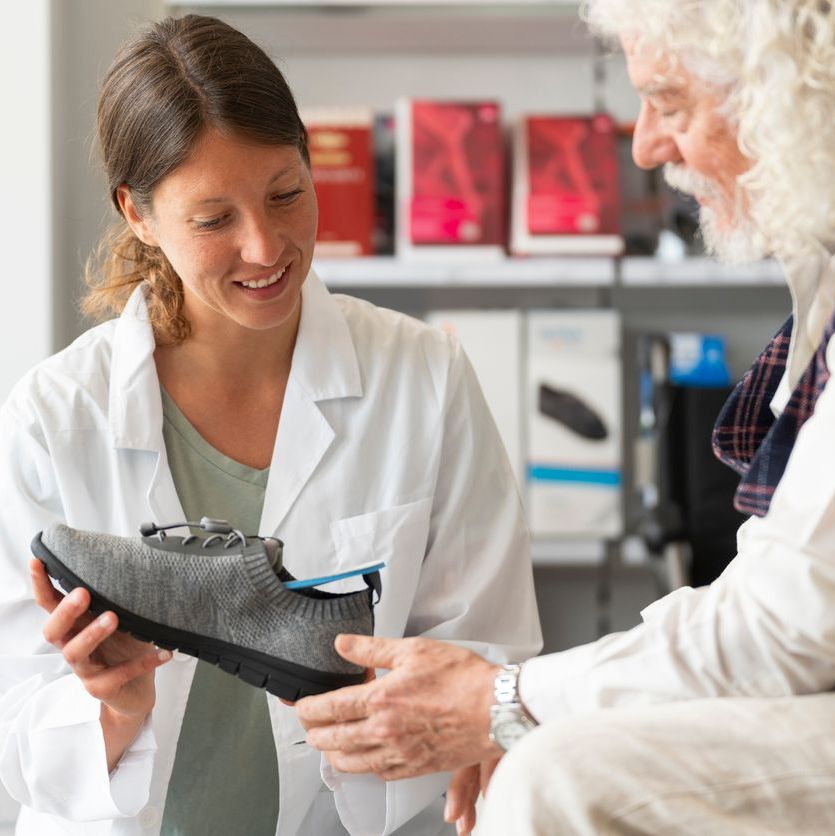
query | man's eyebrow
(276,176)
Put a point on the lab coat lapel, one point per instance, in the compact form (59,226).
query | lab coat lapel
(136,406)
(324,367)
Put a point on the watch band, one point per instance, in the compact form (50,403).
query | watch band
(509,720)
(506,686)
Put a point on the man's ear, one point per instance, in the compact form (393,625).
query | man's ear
(141,228)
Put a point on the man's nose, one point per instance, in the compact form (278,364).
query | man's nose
(652,143)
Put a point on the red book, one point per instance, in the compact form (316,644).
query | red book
(342,163)
(453,183)
(566,185)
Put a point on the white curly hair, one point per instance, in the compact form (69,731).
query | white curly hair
(774,63)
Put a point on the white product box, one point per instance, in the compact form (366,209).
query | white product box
(574,426)
(493,342)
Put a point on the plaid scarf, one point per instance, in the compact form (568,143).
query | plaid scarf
(748,438)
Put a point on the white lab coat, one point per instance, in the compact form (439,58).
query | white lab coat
(385,450)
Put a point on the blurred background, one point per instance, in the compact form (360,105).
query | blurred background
(605,348)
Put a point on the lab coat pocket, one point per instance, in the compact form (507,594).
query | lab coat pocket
(396,536)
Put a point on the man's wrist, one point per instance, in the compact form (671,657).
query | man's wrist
(509,719)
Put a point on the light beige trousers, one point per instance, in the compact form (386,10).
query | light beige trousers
(713,767)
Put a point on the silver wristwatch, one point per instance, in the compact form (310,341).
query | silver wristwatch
(508,719)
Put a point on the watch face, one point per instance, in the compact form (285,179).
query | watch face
(507,731)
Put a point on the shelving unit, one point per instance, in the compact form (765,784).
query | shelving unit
(386,272)
(531,55)
(575,272)
(696,272)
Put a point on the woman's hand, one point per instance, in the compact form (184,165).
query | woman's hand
(463,791)
(114,668)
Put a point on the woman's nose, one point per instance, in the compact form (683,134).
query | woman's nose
(262,243)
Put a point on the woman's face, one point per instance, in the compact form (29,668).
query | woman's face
(237,221)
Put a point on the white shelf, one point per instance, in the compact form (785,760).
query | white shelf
(508,272)
(359,4)
(696,272)
(579,271)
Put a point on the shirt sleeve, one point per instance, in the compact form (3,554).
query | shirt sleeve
(52,755)
(765,628)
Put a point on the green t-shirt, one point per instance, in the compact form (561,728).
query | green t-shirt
(225,777)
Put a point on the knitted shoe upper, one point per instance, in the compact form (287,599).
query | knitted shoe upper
(233,596)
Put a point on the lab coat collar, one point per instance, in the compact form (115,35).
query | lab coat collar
(811,282)
(324,366)
(325,361)
(135,399)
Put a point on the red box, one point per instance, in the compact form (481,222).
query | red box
(566,185)
(342,164)
(572,176)
(457,174)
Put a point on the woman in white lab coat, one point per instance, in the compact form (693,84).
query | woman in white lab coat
(369,429)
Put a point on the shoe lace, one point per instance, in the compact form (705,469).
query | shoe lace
(220,532)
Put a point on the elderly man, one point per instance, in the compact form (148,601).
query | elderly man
(715,715)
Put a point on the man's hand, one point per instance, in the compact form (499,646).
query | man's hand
(430,714)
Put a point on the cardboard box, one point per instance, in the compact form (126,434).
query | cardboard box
(342,165)
(450,180)
(565,186)
(574,425)
(493,341)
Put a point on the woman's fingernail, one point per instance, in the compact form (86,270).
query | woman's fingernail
(77,595)
(163,655)
(105,620)
(447,811)
(459,826)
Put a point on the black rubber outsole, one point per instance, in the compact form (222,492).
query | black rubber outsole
(284,679)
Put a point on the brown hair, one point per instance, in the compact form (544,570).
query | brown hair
(164,88)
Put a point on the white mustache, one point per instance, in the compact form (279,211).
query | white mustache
(682,179)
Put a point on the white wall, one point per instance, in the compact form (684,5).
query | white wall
(25,211)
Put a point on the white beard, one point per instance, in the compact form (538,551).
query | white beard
(736,242)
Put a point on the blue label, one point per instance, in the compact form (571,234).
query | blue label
(572,475)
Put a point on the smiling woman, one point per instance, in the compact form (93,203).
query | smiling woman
(209,75)
(232,385)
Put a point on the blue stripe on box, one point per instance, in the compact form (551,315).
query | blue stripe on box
(572,475)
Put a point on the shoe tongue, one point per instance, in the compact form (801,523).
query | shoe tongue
(273,549)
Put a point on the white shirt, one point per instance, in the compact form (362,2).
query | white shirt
(386,449)
(766,627)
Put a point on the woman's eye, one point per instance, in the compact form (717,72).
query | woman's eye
(211,223)
(285,197)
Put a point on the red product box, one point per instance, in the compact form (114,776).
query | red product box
(566,184)
(342,164)
(457,176)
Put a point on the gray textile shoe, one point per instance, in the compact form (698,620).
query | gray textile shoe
(224,599)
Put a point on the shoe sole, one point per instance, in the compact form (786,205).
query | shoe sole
(284,679)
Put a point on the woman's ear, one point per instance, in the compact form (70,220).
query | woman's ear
(141,228)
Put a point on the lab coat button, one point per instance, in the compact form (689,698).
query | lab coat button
(149,817)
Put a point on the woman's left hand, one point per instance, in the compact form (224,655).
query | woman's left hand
(463,791)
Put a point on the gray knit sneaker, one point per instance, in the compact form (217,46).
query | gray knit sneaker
(225,599)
